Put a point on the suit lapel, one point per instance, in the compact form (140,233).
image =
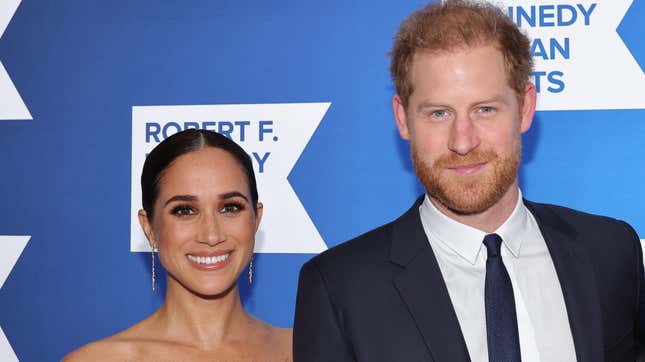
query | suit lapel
(422,288)
(577,281)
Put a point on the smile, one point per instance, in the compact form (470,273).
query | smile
(208,260)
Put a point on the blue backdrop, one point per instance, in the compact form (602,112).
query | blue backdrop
(80,67)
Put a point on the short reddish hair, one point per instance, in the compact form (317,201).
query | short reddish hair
(455,24)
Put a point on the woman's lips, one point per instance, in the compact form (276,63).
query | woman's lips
(209,261)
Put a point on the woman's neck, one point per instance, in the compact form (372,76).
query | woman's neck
(204,322)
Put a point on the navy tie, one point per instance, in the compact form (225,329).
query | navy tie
(501,321)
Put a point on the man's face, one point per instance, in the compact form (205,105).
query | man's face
(464,121)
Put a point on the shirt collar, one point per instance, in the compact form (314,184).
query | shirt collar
(467,241)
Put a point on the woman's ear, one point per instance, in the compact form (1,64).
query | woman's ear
(145,223)
(258,215)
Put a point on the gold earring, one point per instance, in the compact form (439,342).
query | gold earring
(152,253)
(251,271)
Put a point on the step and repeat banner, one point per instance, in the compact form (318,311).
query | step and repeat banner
(88,88)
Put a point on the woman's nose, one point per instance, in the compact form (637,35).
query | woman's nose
(212,232)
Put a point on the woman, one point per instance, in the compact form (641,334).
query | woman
(201,212)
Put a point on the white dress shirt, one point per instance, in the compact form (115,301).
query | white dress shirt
(542,320)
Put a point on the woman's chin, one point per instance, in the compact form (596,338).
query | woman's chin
(214,290)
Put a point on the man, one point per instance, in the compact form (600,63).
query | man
(472,271)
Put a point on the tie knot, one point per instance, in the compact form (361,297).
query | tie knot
(493,243)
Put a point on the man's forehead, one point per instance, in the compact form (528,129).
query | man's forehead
(456,48)
(492,61)
(485,55)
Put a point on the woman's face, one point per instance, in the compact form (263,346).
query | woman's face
(204,224)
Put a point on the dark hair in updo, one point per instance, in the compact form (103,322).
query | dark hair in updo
(180,144)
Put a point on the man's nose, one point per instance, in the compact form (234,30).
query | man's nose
(463,135)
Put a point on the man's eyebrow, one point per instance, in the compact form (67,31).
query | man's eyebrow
(430,105)
(492,99)
(181,198)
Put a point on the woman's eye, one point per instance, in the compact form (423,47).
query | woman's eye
(183,211)
(231,208)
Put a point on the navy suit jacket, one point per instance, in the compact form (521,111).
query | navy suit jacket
(381,296)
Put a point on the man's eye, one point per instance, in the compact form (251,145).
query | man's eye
(232,208)
(486,109)
(183,211)
(439,113)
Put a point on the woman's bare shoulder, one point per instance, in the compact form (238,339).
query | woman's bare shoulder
(123,346)
(109,349)
(277,342)
(283,335)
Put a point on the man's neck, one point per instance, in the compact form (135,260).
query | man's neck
(490,219)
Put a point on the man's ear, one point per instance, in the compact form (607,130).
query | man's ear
(528,107)
(147,228)
(400,117)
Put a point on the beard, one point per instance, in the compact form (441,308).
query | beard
(468,194)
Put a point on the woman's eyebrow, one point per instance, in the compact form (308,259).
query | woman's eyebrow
(181,198)
(228,195)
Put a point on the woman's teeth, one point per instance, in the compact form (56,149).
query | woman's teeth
(206,260)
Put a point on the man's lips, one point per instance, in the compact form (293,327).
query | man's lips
(467,169)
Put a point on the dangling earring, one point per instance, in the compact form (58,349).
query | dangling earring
(152,253)
(251,271)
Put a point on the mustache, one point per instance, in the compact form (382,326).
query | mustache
(473,158)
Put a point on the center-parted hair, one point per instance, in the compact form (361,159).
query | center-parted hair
(180,144)
(455,24)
